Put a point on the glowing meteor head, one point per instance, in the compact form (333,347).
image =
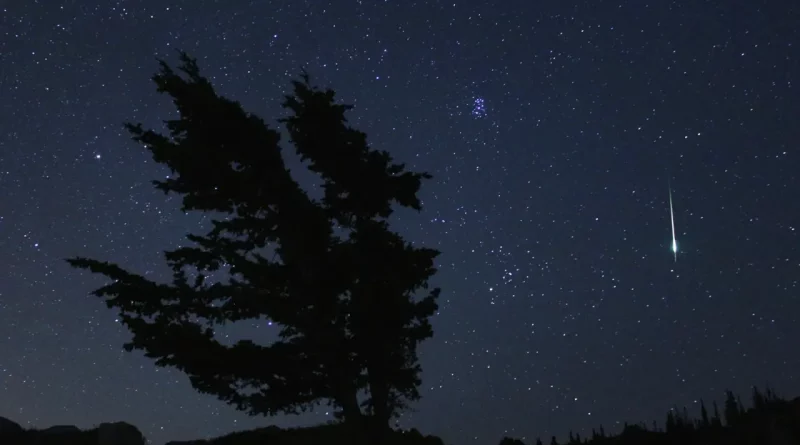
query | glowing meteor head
(674,246)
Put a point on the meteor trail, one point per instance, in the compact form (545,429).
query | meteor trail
(672,220)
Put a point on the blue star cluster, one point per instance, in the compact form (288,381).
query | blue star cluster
(552,130)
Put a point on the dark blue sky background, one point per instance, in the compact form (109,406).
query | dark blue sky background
(552,130)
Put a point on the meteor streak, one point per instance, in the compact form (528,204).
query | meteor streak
(672,220)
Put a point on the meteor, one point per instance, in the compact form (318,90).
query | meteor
(672,220)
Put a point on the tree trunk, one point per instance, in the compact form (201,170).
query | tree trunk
(350,408)
(381,411)
(354,421)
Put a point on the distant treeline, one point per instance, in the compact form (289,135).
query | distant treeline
(771,420)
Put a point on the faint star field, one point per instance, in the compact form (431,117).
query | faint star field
(551,129)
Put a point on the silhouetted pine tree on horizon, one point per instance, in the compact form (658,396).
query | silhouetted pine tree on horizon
(330,274)
(704,422)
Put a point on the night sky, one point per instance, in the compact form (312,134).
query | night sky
(554,131)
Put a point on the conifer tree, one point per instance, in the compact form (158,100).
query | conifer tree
(770,395)
(329,272)
(704,415)
(758,399)
(686,421)
(671,423)
(716,421)
(732,412)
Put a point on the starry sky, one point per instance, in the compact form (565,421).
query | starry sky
(554,131)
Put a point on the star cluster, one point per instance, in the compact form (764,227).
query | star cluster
(552,130)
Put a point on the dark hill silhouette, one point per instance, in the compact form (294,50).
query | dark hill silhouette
(117,433)
(334,433)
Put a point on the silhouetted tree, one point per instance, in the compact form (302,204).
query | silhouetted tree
(704,422)
(716,421)
(553,441)
(686,421)
(732,412)
(770,395)
(758,399)
(539,441)
(671,424)
(333,277)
